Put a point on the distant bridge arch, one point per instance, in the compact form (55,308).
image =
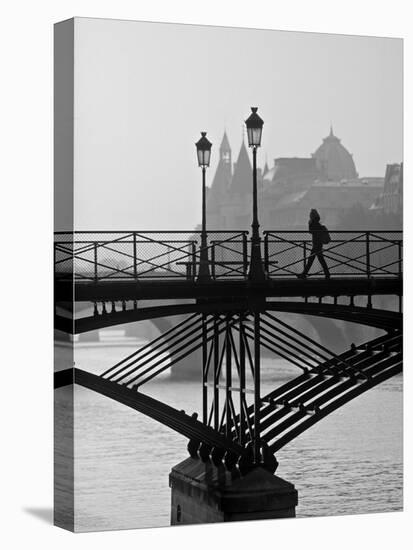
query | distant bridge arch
(378,318)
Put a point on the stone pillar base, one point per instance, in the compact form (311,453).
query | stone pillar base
(203,493)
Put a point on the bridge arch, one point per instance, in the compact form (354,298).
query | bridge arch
(378,318)
(286,412)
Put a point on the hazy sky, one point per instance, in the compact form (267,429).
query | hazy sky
(144,91)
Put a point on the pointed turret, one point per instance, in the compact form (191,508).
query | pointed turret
(241,181)
(223,173)
(265,169)
(220,183)
(225,147)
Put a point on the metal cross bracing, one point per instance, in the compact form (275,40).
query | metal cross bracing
(242,436)
(328,381)
(297,405)
(125,255)
(249,428)
(93,257)
(349,253)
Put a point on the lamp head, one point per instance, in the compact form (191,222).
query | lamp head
(203,150)
(254,124)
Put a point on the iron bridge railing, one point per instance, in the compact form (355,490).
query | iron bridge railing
(349,253)
(164,255)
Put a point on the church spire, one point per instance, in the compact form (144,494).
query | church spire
(225,147)
(222,177)
(225,151)
(265,169)
(331,130)
(242,172)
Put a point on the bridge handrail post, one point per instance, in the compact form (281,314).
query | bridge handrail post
(304,254)
(135,261)
(245,253)
(95,261)
(266,255)
(193,274)
(213,272)
(368,269)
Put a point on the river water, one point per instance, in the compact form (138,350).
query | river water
(349,463)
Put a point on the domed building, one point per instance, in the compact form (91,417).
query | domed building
(333,161)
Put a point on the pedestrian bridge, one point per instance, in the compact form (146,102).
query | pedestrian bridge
(121,266)
(227,316)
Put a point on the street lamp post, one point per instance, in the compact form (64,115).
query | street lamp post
(203,150)
(254,124)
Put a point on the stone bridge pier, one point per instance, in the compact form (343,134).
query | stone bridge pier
(204,493)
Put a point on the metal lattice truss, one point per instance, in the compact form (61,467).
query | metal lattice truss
(370,253)
(232,405)
(297,405)
(99,256)
(111,256)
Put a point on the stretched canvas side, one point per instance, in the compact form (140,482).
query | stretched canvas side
(63,249)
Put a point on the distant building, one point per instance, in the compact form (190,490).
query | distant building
(327,180)
(334,161)
(390,201)
(331,198)
(292,174)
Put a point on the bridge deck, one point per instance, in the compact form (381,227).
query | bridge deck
(238,289)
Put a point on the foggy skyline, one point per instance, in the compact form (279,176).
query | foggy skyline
(137,116)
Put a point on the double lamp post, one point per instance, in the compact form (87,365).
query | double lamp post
(254,124)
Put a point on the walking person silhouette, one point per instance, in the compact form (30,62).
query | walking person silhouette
(320,236)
